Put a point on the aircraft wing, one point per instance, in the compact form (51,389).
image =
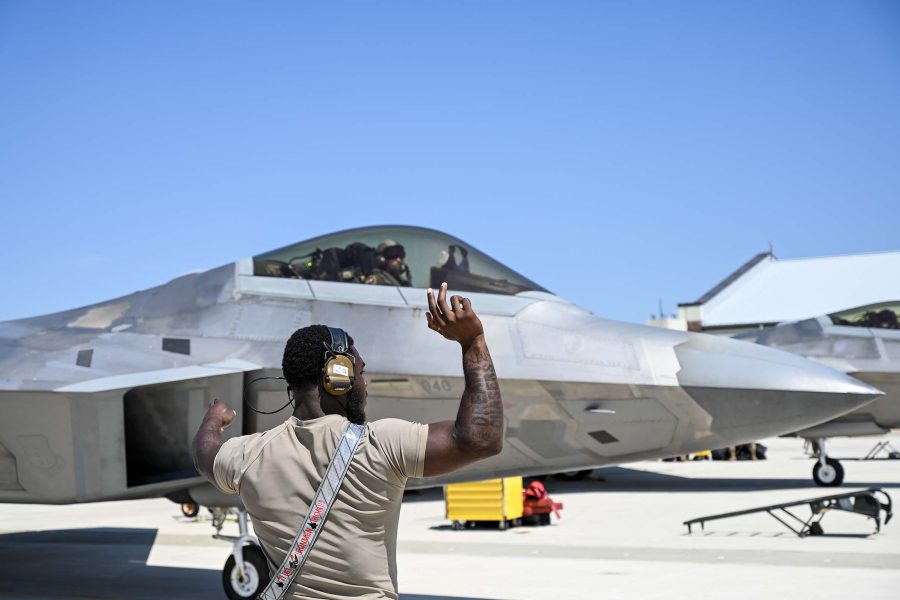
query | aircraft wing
(123,436)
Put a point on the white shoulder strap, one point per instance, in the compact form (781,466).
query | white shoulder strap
(315,517)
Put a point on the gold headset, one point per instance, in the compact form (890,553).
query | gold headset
(339,373)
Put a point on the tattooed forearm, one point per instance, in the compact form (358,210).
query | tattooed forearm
(477,431)
(479,423)
(206,445)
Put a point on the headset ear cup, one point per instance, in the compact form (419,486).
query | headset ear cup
(338,375)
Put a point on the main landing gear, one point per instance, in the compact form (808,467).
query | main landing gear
(246,571)
(827,472)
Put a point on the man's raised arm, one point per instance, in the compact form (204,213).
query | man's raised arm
(209,437)
(477,432)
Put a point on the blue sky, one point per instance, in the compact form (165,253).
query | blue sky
(615,152)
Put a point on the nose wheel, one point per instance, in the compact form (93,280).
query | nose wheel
(828,473)
(247,580)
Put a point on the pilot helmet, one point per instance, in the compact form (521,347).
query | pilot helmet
(389,249)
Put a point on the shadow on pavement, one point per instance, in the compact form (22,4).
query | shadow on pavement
(95,563)
(620,479)
(424,495)
(106,564)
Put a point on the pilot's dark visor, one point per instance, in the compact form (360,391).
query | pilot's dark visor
(392,252)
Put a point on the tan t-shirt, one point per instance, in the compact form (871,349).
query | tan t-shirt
(278,471)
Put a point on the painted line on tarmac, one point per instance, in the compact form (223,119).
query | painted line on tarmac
(783,558)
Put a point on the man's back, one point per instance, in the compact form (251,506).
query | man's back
(277,473)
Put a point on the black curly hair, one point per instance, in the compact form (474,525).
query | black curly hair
(304,355)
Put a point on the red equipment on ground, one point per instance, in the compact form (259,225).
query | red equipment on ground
(538,505)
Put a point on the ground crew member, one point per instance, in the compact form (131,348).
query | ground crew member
(278,471)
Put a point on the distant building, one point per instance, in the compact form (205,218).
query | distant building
(766,291)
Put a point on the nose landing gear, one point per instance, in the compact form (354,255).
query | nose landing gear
(246,572)
(827,472)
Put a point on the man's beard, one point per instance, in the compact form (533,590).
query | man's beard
(356,405)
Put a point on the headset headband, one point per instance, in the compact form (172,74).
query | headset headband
(340,344)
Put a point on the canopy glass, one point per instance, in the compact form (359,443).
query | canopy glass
(885,315)
(393,255)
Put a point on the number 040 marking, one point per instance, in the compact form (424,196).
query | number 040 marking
(436,385)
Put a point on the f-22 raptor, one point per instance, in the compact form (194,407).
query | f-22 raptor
(101,402)
(864,342)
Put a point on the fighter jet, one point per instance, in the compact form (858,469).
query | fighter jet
(863,342)
(101,402)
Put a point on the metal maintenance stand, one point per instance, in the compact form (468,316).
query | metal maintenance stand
(885,447)
(864,502)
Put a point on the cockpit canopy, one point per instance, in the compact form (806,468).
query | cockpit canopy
(393,255)
(885,315)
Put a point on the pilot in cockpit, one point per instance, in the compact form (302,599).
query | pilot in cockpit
(391,266)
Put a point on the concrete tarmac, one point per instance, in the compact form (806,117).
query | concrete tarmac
(620,537)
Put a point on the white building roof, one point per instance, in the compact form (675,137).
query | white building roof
(768,290)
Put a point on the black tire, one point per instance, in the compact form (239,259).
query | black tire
(816,529)
(190,509)
(531,520)
(829,475)
(256,575)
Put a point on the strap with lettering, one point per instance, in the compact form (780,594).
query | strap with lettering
(318,511)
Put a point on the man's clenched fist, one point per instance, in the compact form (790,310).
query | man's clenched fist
(221,411)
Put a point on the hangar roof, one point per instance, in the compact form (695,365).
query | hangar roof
(769,290)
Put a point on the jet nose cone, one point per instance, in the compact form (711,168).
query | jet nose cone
(763,391)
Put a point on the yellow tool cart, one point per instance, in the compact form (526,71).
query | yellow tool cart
(495,500)
(702,455)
